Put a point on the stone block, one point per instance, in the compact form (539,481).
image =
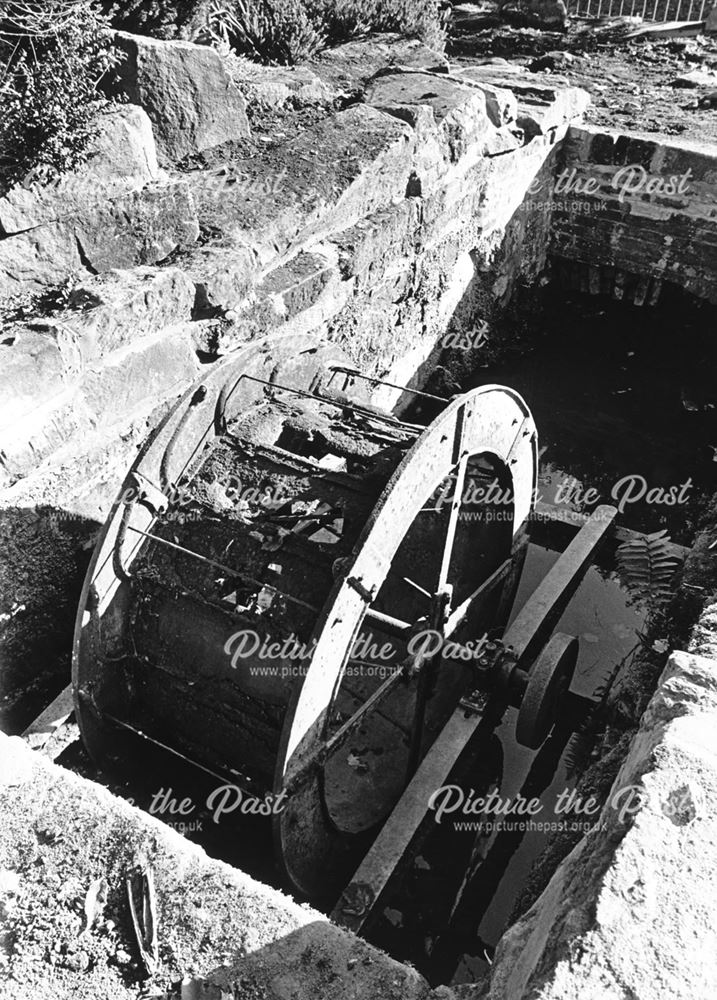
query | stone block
(348,68)
(325,179)
(500,102)
(458,111)
(275,86)
(139,227)
(122,157)
(223,276)
(137,379)
(185,89)
(118,308)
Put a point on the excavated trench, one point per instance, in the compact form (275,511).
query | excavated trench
(627,414)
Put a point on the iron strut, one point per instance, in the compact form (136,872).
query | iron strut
(520,644)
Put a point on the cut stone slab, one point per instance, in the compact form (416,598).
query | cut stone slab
(134,380)
(325,179)
(122,157)
(306,290)
(275,86)
(185,89)
(223,276)
(51,395)
(540,105)
(388,237)
(33,376)
(459,112)
(117,308)
(347,68)
(219,930)
(632,911)
(140,227)
(500,102)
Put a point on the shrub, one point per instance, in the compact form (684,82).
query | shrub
(279,31)
(274,31)
(54,53)
(159,18)
(345,19)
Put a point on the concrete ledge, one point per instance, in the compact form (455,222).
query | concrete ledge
(217,926)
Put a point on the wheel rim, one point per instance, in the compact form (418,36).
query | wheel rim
(548,680)
(491,420)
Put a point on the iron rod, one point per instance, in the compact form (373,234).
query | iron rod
(392,385)
(354,408)
(223,568)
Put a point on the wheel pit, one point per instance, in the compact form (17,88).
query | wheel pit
(288,486)
(454,898)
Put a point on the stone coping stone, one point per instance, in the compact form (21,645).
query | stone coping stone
(600,145)
(542,102)
(458,112)
(136,228)
(52,396)
(325,179)
(275,86)
(347,68)
(122,157)
(186,90)
(116,308)
(219,930)
(632,910)
(223,276)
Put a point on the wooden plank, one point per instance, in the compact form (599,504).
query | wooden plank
(555,589)
(394,840)
(555,514)
(668,29)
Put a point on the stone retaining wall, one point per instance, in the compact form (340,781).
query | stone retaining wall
(379,225)
(631,212)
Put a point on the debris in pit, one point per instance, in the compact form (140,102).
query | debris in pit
(95,902)
(143,910)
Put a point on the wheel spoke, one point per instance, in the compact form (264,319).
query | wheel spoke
(450,538)
(343,732)
(463,611)
(388,624)
(426,679)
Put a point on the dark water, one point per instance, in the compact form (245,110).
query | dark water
(625,401)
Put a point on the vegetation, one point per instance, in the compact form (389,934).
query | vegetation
(53,54)
(279,31)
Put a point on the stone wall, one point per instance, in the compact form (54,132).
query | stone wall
(384,208)
(631,212)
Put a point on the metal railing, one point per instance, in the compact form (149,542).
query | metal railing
(648,10)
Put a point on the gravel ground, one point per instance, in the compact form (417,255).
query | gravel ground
(633,83)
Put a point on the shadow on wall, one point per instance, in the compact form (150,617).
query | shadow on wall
(45,554)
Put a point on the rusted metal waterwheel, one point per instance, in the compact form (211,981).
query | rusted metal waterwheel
(293,588)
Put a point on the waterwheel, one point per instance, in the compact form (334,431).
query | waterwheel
(296,588)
